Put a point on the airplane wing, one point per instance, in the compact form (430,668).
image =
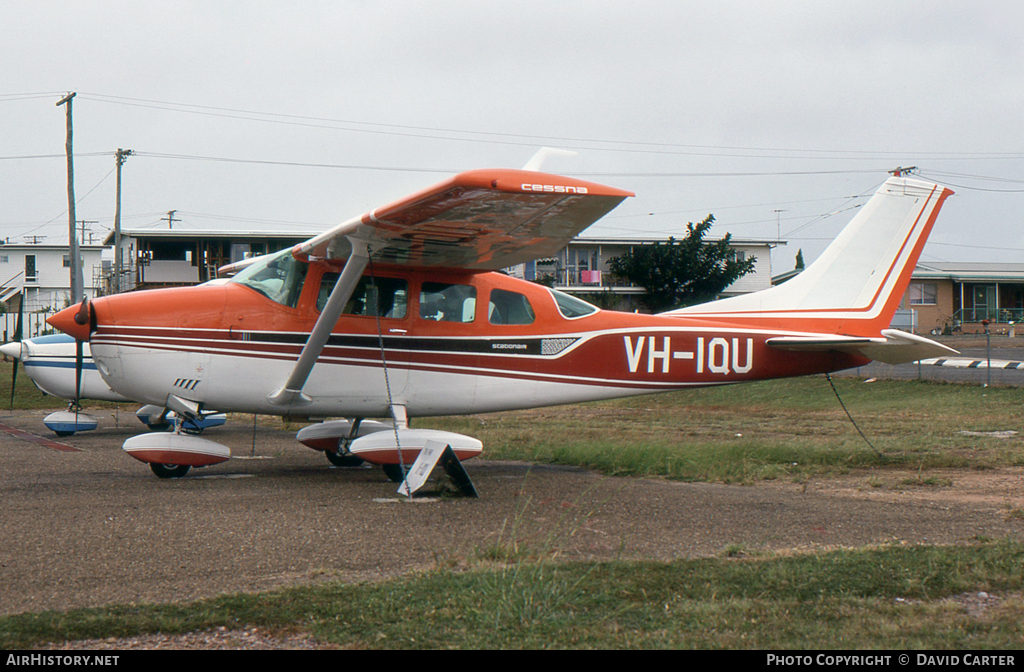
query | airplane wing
(896,347)
(482,219)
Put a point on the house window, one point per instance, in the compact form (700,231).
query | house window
(30,268)
(923,293)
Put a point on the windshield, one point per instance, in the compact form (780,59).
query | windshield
(279,277)
(570,307)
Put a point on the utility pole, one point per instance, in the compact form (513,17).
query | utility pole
(77,281)
(81,236)
(169,219)
(120,157)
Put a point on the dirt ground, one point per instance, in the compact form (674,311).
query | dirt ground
(88,525)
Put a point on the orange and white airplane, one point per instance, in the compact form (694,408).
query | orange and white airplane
(402,313)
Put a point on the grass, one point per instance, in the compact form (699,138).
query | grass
(28,397)
(885,598)
(744,433)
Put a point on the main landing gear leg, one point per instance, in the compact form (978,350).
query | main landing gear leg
(171,470)
(343,458)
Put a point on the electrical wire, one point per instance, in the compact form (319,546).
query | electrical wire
(487,136)
(77,202)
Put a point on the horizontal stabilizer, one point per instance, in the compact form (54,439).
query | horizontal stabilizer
(895,347)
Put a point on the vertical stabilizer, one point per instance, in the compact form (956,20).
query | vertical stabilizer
(855,286)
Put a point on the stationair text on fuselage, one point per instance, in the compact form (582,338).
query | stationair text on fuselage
(715,355)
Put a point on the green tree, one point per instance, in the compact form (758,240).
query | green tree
(683,272)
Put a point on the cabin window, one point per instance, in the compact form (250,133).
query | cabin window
(570,307)
(279,277)
(447,303)
(392,296)
(509,308)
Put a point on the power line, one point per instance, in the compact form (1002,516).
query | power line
(5,97)
(52,156)
(970,188)
(304,164)
(518,138)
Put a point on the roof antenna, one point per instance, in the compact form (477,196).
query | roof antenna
(543,153)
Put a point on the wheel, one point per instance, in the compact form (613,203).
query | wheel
(63,433)
(157,427)
(169,470)
(340,460)
(394,472)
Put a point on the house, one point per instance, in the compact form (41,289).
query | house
(152,258)
(164,257)
(40,274)
(961,296)
(35,279)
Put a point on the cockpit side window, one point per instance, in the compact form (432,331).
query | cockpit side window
(570,307)
(390,296)
(446,302)
(279,277)
(507,307)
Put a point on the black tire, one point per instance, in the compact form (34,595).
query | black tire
(62,434)
(394,472)
(169,470)
(339,460)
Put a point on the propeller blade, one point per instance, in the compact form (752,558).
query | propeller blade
(17,337)
(78,373)
(14,381)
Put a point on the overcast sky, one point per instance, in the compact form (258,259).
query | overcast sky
(777,117)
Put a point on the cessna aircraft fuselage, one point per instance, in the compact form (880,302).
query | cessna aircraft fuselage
(452,343)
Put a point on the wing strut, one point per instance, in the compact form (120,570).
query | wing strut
(291,392)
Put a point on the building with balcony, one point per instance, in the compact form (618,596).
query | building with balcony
(36,278)
(41,274)
(582,268)
(152,258)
